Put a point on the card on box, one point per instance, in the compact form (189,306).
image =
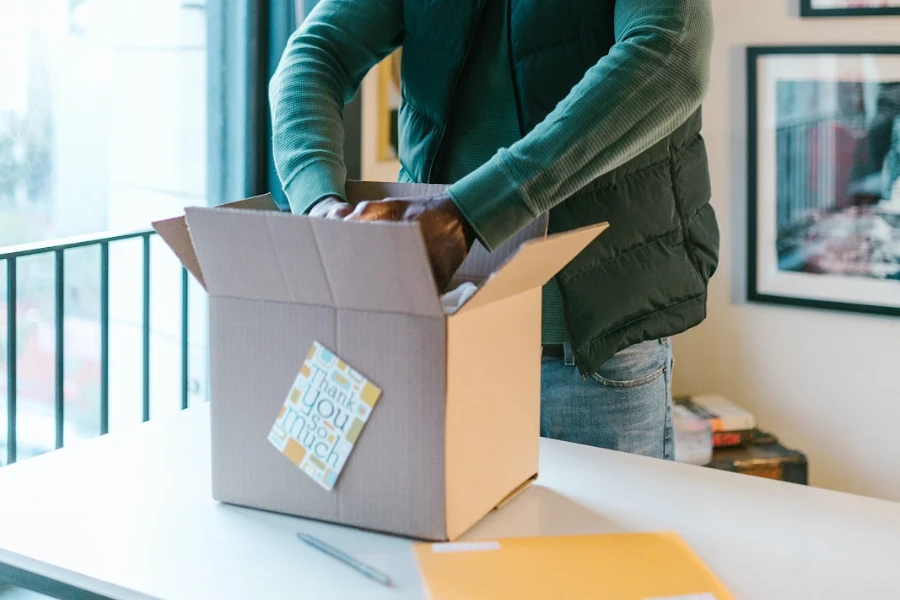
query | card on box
(323,415)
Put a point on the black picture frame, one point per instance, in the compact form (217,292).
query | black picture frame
(753,56)
(808,10)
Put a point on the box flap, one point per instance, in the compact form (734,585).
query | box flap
(377,266)
(481,263)
(535,263)
(259,255)
(291,258)
(175,234)
(358,191)
(261,202)
(174,231)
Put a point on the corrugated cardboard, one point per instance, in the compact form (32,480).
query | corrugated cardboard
(456,430)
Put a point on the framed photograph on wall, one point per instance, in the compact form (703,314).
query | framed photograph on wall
(824,177)
(849,8)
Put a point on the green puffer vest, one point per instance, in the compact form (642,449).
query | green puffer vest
(646,277)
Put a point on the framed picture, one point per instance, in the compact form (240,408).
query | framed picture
(824,177)
(380,109)
(849,8)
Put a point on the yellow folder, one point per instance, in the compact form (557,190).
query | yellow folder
(642,566)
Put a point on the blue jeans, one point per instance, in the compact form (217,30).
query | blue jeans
(625,406)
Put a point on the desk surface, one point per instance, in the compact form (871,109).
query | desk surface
(130,516)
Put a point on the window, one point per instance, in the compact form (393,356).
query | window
(103,127)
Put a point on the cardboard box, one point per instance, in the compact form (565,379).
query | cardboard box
(456,430)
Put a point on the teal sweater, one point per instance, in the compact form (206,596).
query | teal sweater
(500,180)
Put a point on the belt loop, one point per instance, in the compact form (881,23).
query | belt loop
(568,354)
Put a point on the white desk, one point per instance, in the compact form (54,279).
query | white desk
(129,516)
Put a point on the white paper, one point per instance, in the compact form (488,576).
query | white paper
(455,298)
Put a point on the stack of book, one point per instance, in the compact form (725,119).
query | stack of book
(731,425)
(740,447)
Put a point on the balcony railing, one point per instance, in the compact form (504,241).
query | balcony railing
(58,248)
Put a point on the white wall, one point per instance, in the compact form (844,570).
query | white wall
(826,383)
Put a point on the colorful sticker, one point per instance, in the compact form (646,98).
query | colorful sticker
(323,415)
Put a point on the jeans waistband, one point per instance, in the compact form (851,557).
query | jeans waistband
(565,352)
(561,351)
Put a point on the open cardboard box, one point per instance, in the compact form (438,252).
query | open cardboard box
(456,430)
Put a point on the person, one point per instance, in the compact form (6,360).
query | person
(566,113)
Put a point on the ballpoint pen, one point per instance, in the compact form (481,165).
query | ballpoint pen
(368,571)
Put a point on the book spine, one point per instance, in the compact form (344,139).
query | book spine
(726,439)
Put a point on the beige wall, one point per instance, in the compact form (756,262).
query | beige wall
(827,383)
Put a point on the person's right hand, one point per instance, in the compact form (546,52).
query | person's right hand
(331,207)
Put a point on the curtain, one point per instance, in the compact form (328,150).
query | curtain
(246,39)
(282,21)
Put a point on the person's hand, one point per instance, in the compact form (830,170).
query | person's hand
(331,207)
(448,237)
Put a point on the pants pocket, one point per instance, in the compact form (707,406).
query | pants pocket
(627,416)
(629,383)
(638,365)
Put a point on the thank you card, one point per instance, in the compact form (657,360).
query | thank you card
(323,415)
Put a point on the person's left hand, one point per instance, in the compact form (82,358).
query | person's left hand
(448,237)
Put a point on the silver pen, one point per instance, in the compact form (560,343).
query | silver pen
(368,571)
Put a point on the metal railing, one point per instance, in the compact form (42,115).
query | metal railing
(58,248)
